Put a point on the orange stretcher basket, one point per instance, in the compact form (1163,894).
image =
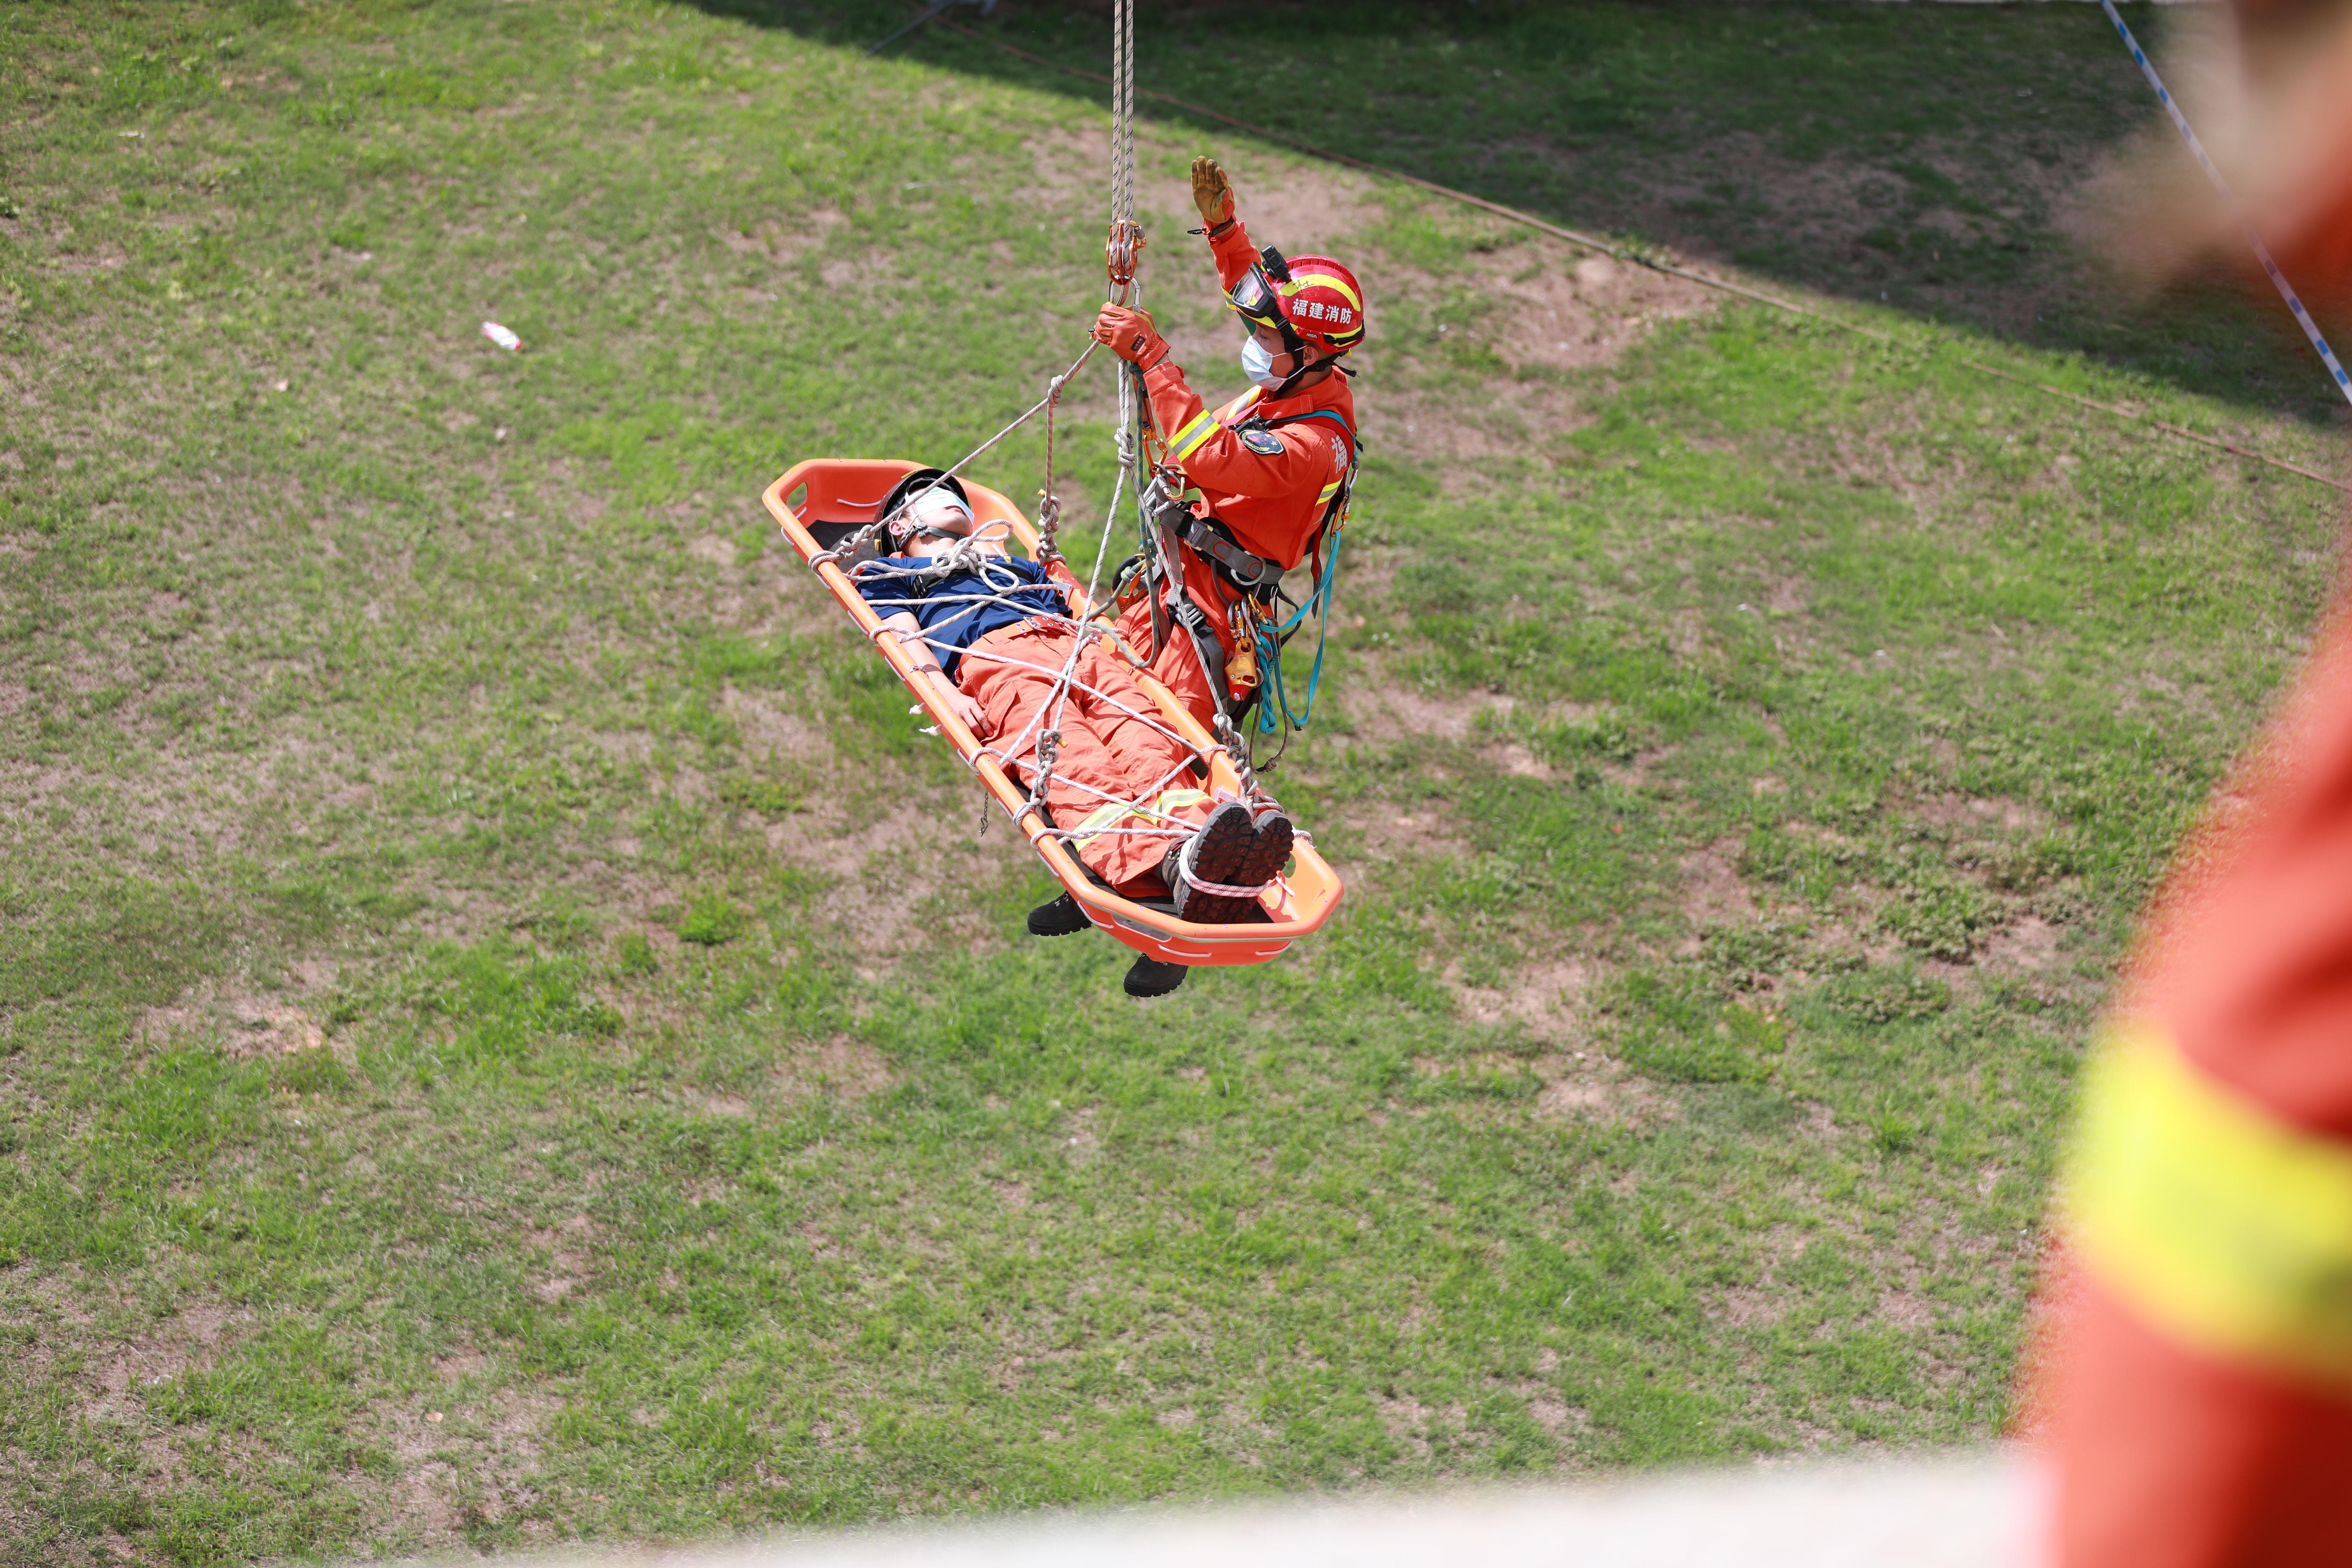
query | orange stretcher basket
(821,502)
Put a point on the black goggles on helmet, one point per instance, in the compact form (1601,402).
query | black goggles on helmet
(1255,299)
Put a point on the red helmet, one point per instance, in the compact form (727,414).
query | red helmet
(1310,298)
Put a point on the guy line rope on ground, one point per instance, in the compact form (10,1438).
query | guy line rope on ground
(1589,242)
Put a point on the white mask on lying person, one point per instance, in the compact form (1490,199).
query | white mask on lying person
(940,512)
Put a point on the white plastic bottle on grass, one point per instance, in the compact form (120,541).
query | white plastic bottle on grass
(502,336)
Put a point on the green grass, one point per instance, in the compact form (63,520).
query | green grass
(507,1033)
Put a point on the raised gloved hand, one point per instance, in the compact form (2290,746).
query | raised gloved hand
(1131,335)
(1212,192)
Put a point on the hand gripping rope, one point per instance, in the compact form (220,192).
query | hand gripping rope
(1305,897)
(2262,252)
(1039,743)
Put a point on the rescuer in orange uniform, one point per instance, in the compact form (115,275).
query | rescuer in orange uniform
(1270,467)
(2197,1392)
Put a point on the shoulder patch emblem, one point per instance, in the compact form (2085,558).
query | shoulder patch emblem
(1264,443)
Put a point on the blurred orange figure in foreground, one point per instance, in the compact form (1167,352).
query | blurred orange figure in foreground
(2197,1392)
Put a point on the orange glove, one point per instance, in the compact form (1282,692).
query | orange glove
(1131,335)
(1212,192)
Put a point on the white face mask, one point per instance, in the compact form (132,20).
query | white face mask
(939,512)
(1257,364)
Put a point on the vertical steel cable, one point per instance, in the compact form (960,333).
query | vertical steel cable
(1126,243)
(1120,254)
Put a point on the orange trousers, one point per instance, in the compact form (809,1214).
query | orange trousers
(1107,757)
(1178,667)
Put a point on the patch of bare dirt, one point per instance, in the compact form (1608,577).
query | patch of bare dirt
(1377,832)
(886,869)
(1712,893)
(770,730)
(1588,311)
(1407,1420)
(1904,1309)
(841,1066)
(1384,710)
(241,1026)
(1748,1306)
(463,1462)
(2029,942)
(1545,307)
(1617,1102)
(1955,810)
(1586,1086)
(1543,997)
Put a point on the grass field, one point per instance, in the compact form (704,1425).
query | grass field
(508,1034)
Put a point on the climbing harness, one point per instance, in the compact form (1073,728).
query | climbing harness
(840,515)
(1264,618)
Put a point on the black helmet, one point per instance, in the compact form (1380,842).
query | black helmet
(894,512)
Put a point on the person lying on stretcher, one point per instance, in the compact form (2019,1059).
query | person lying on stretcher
(993,633)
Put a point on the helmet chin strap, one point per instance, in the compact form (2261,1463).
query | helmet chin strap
(1290,381)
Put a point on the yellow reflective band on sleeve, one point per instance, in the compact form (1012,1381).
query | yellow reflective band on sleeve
(2221,1223)
(1195,435)
(1328,491)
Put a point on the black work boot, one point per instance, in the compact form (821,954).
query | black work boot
(1215,854)
(1064,917)
(1150,976)
(1268,850)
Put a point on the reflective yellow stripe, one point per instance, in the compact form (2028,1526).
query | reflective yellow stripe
(1191,438)
(1111,815)
(1328,491)
(2222,1225)
(1308,279)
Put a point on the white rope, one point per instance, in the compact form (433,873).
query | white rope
(970,557)
(1126,243)
(966,557)
(1053,388)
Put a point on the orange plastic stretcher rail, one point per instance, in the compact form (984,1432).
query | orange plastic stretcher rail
(819,502)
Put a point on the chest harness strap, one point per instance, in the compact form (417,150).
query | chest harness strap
(1249,575)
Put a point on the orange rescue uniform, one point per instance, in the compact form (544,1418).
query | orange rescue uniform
(1109,752)
(1271,502)
(2199,1392)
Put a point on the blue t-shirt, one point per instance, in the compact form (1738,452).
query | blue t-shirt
(959,609)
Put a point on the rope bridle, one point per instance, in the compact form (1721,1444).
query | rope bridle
(1039,743)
